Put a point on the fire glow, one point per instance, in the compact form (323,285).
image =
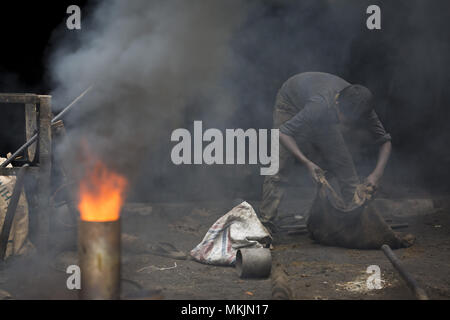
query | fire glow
(101,194)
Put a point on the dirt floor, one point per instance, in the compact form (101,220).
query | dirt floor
(314,271)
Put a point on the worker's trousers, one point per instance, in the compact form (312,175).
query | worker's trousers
(327,150)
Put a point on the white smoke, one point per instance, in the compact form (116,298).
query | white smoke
(147,60)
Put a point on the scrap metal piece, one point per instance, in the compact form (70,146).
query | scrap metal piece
(99,256)
(253,262)
(418,291)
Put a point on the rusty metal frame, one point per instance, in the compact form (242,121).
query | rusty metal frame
(37,116)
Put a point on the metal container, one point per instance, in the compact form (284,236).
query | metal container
(253,262)
(99,256)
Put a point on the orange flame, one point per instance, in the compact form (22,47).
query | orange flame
(101,194)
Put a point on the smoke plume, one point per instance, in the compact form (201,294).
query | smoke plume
(148,62)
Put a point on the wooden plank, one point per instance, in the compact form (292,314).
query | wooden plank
(30,129)
(31,193)
(19,98)
(58,134)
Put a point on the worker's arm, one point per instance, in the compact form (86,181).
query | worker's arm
(384,140)
(301,125)
(289,143)
(383,157)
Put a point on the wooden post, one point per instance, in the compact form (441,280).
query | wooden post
(45,166)
(30,129)
(58,134)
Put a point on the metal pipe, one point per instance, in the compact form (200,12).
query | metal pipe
(99,255)
(66,109)
(19,151)
(399,226)
(410,281)
(253,262)
(35,136)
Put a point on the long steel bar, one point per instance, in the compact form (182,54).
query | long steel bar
(410,281)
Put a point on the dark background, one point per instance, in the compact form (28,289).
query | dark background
(405,64)
(27,29)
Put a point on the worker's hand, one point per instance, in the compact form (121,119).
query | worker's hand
(372,180)
(372,184)
(315,171)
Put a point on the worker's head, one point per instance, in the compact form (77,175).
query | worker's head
(354,102)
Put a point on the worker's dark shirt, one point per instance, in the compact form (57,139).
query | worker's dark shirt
(311,97)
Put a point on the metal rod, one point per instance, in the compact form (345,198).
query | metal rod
(19,151)
(35,136)
(399,226)
(11,211)
(66,109)
(410,281)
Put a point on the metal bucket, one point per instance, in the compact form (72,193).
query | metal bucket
(253,263)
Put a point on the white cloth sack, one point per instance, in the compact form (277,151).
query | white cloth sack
(239,228)
(17,242)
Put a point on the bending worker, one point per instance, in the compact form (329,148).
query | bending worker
(321,117)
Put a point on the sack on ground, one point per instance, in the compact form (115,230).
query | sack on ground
(356,225)
(239,228)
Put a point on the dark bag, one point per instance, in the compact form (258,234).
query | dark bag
(357,225)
